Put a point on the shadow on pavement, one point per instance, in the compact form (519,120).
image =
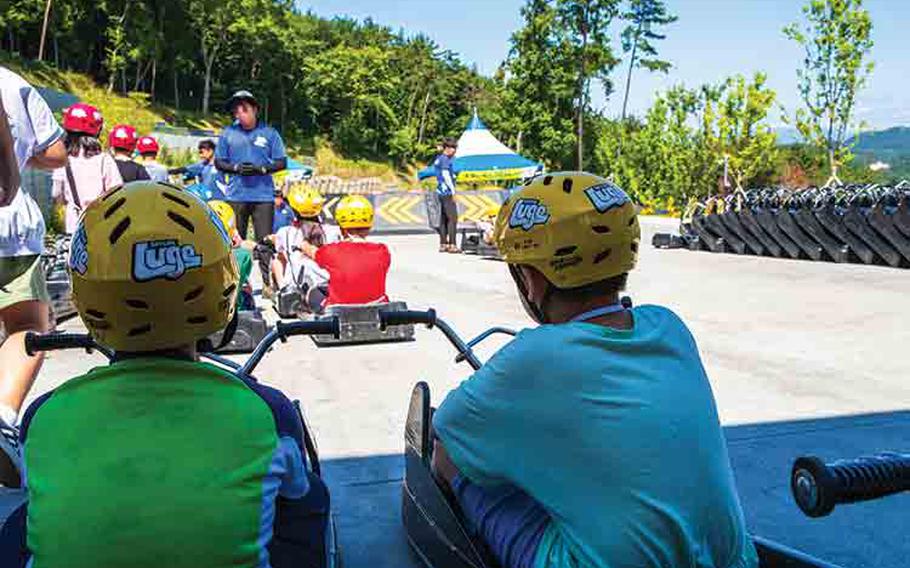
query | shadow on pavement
(367,494)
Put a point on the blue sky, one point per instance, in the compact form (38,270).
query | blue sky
(711,40)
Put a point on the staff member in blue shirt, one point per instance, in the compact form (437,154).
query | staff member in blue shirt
(248,153)
(203,173)
(445,191)
(283,212)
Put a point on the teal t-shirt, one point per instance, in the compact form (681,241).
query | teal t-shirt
(615,433)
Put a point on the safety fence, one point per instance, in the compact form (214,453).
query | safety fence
(418,211)
(867,224)
(396,210)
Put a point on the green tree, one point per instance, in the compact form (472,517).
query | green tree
(116,53)
(585,26)
(743,136)
(837,40)
(539,85)
(639,36)
(211,19)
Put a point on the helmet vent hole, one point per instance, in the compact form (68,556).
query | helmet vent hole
(229,290)
(108,195)
(175,199)
(548,180)
(118,231)
(182,221)
(197,319)
(565,251)
(142,329)
(193,294)
(601,256)
(567,185)
(113,208)
(95,314)
(600,229)
(137,304)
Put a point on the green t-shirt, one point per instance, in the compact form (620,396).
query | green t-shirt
(157,462)
(244,260)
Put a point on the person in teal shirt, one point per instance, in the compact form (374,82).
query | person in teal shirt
(592,440)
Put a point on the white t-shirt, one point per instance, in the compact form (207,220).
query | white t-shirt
(289,237)
(34,129)
(156,171)
(302,268)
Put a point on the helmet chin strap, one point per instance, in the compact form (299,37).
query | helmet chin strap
(538,313)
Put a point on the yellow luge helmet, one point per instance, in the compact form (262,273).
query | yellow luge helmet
(225,213)
(306,200)
(152,268)
(354,212)
(574,227)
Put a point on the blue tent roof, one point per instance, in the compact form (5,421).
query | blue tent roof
(293,164)
(481,154)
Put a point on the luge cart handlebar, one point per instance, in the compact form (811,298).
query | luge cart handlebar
(818,487)
(284,330)
(35,342)
(429,319)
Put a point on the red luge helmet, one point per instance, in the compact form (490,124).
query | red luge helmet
(83,118)
(122,136)
(147,145)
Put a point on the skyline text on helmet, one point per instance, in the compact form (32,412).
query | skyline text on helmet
(606,196)
(163,259)
(527,213)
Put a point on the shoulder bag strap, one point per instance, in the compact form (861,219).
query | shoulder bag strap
(72,181)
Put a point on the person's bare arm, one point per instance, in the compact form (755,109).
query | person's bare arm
(442,465)
(53,157)
(308,249)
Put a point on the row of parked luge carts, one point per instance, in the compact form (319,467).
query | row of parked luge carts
(867,224)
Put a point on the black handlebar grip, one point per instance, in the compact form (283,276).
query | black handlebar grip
(818,487)
(316,327)
(407,317)
(37,342)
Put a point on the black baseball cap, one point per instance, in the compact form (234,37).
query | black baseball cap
(239,96)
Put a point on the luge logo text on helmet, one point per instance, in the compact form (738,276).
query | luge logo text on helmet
(79,251)
(527,213)
(606,196)
(163,259)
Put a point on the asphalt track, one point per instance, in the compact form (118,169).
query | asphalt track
(804,357)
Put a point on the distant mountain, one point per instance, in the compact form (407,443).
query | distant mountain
(888,143)
(883,144)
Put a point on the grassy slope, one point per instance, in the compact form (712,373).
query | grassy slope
(136,109)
